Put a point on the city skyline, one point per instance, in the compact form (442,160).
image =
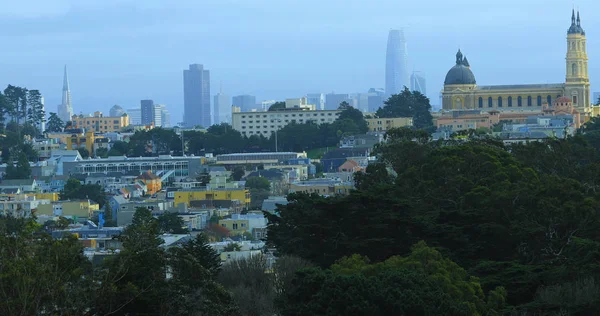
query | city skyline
(125,77)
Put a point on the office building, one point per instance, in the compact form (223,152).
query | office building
(396,63)
(376,99)
(318,99)
(135,116)
(245,102)
(147,108)
(99,123)
(265,105)
(116,110)
(196,97)
(165,116)
(222,108)
(65,108)
(333,100)
(417,83)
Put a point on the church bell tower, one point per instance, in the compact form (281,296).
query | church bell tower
(577,86)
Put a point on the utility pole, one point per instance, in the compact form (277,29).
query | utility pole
(276,129)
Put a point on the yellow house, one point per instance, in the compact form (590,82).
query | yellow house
(100,123)
(86,140)
(152,182)
(235,226)
(38,196)
(384,124)
(82,208)
(240,194)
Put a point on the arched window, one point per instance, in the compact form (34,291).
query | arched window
(480,102)
(490,102)
(499,102)
(574,69)
(549,99)
(519,101)
(509,101)
(574,99)
(529,101)
(539,100)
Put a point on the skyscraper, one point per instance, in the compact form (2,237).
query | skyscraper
(65,109)
(396,63)
(147,109)
(165,116)
(246,102)
(333,100)
(196,96)
(116,110)
(135,116)
(418,83)
(222,108)
(318,99)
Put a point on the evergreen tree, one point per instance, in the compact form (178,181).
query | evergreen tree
(55,124)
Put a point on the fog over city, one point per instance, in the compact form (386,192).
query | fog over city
(122,51)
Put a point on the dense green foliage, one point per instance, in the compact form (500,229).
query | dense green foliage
(409,104)
(260,188)
(277,106)
(74,190)
(524,217)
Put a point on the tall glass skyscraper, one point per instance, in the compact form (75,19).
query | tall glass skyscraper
(396,63)
(418,83)
(196,96)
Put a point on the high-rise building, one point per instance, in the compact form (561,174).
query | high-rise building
(65,108)
(418,83)
(165,116)
(116,110)
(196,96)
(135,116)
(147,108)
(222,108)
(246,102)
(333,100)
(318,99)
(396,63)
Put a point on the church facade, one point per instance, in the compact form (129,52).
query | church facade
(461,91)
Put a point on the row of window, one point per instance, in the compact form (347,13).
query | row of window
(286,121)
(288,115)
(98,122)
(529,100)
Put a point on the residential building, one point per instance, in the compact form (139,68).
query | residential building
(20,206)
(350,166)
(333,100)
(238,224)
(266,123)
(362,141)
(195,221)
(65,108)
(135,116)
(418,83)
(333,159)
(318,99)
(270,204)
(396,63)
(86,141)
(79,209)
(116,110)
(164,166)
(100,123)
(257,158)
(245,102)
(152,182)
(186,196)
(123,212)
(44,147)
(384,124)
(325,187)
(196,96)
(20,185)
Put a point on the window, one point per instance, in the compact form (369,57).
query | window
(509,101)
(529,102)
(574,69)
(499,102)
(235,226)
(519,101)
(574,99)
(490,102)
(480,102)
(539,100)
(549,99)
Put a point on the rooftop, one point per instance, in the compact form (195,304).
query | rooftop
(523,86)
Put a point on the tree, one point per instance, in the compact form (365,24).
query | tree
(232,247)
(238,173)
(35,108)
(119,148)
(277,106)
(55,124)
(258,183)
(84,152)
(203,253)
(21,171)
(356,116)
(101,152)
(409,104)
(74,190)
(171,223)
(204,178)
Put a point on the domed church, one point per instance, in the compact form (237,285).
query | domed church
(461,91)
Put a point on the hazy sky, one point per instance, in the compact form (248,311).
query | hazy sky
(121,51)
